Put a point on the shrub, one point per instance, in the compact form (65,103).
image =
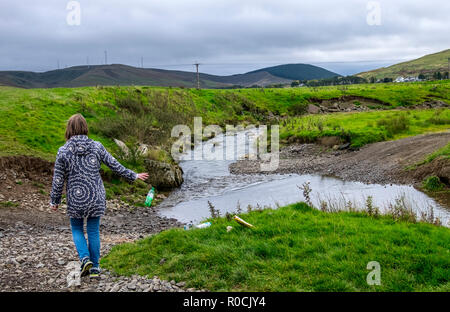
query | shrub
(297,108)
(395,124)
(438,118)
(146,118)
(433,183)
(402,210)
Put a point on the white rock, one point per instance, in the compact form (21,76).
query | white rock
(73,279)
(143,149)
(122,147)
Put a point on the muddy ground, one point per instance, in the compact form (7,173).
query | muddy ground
(36,247)
(381,163)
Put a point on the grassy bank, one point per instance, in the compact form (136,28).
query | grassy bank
(279,100)
(443,152)
(294,248)
(433,185)
(365,127)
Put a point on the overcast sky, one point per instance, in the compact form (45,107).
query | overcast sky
(227,37)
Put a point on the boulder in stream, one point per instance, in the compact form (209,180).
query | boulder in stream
(162,175)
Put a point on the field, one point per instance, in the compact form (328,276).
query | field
(365,127)
(33,120)
(294,248)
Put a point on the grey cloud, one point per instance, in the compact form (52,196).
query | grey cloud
(243,34)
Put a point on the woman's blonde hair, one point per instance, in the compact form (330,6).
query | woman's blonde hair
(76,125)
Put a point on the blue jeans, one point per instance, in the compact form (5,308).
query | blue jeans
(93,233)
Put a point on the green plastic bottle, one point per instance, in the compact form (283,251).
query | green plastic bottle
(150,196)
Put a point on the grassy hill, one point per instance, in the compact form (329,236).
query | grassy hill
(122,75)
(116,74)
(426,65)
(298,72)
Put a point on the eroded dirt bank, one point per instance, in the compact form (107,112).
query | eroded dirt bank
(382,162)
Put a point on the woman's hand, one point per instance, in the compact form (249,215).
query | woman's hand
(142,176)
(54,207)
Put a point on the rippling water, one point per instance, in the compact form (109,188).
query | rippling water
(210,180)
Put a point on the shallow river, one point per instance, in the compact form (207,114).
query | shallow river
(210,180)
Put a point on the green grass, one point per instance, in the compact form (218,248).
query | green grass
(443,152)
(366,127)
(33,120)
(433,184)
(294,248)
(133,193)
(278,101)
(8,204)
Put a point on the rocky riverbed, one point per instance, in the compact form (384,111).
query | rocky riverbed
(36,248)
(381,163)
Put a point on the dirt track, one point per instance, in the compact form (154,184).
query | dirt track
(382,162)
(36,247)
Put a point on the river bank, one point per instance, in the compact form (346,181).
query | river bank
(381,163)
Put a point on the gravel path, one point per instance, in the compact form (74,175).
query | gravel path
(36,248)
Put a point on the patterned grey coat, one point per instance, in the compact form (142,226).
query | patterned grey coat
(78,161)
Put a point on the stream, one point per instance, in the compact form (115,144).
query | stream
(211,181)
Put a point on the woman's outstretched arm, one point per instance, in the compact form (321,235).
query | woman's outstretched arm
(115,166)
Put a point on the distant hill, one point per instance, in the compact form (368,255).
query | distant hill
(426,65)
(298,72)
(117,74)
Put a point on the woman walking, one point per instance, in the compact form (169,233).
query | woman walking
(78,162)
